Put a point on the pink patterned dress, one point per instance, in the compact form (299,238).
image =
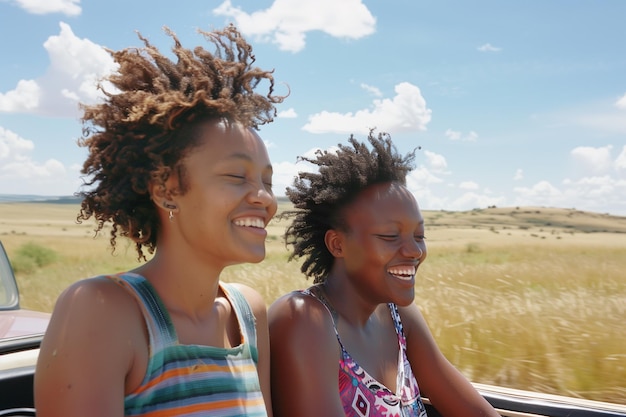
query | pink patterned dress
(361,394)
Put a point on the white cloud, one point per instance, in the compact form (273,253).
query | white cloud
(12,146)
(488,48)
(596,193)
(287,22)
(407,111)
(620,161)
(288,114)
(472,200)
(612,122)
(285,172)
(542,193)
(75,67)
(590,160)
(24,98)
(67,7)
(455,135)
(436,162)
(375,91)
(519,175)
(17,166)
(421,179)
(621,103)
(468,185)
(432,186)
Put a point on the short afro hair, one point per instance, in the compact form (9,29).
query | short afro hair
(319,197)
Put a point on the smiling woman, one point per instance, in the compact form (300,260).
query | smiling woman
(369,351)
(176,165)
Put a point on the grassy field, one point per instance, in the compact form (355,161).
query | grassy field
(529,298)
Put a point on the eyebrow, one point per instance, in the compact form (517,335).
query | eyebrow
(391,221)
(247,158)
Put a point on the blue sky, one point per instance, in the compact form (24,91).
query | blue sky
(512,103)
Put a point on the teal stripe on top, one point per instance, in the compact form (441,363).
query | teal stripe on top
(194,380)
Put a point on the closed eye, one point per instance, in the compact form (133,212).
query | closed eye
(243,178)
(393,237)
(387,237)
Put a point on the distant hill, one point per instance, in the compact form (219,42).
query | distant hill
(26,198)
(545,218)
(494,218)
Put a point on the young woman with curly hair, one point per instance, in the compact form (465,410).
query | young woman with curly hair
(355,343)
(175,164)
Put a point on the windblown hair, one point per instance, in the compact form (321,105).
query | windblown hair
(140,133)
(319,198)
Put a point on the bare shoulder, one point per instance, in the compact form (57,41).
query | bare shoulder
(93,318)
(95,303)
(294,303)
(299,313)
(93,296)
(305,353)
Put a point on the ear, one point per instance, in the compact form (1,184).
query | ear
(334,242)
(162,196)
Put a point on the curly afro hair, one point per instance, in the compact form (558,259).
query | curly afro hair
(319,198)
(139,134)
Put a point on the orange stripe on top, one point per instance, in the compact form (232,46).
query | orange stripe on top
(195,369)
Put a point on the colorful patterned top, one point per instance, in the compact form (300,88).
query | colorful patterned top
(361,394)
(194,380)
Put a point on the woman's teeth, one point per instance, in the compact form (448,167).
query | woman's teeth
(250,222)
(403,273)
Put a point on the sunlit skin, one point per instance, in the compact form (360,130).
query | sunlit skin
(96,348)
(376,256)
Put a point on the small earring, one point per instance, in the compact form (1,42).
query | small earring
(171,216)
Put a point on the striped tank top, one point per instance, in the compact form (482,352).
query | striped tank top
(194,380)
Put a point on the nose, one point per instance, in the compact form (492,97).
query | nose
(261,194)
(414,248)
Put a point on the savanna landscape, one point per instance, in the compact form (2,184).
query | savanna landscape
(523,297)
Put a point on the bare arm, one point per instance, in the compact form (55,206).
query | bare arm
(447,389)
(305,359)
(259,309)
(87,352)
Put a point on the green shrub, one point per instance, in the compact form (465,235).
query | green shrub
(31,256)
(23,264)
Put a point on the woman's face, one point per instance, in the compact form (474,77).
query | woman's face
(228,200)
(384,243)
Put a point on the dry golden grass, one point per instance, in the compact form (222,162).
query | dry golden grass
(529,298)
